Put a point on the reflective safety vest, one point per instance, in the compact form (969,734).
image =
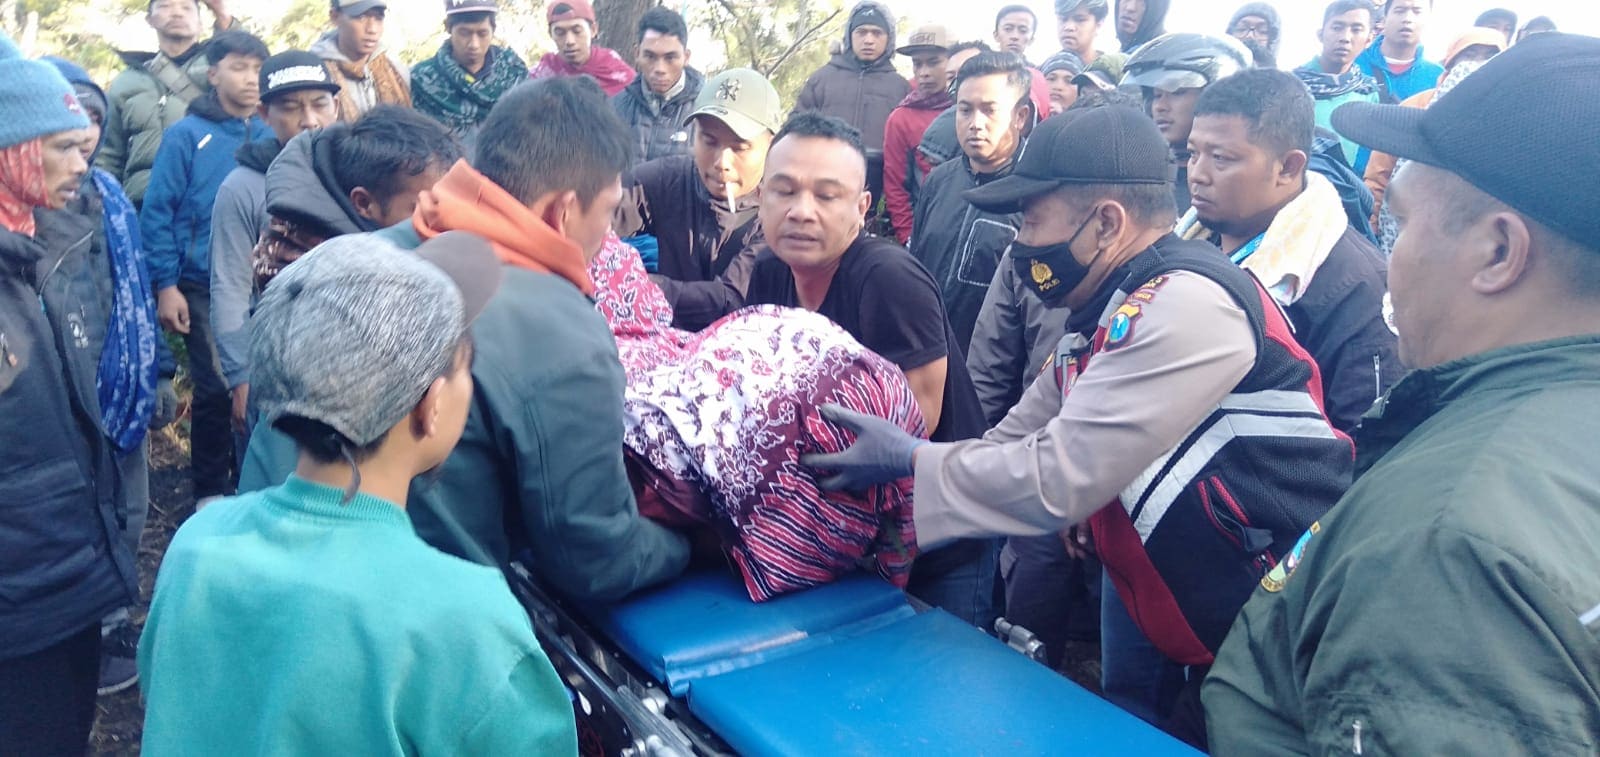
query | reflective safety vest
(1192,536)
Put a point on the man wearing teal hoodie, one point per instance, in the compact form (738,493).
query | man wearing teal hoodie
(373,642)
(1395,58)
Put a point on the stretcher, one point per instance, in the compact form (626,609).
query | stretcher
(853,667)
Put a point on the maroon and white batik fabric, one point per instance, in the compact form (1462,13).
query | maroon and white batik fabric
(717,422)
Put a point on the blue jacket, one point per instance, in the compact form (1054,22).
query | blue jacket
(196,154)
(1393,88)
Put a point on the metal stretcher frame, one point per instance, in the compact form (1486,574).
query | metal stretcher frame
(856,666)
(622,706)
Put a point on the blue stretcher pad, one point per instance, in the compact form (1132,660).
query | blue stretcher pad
(852,668)
(705,624)
(929,684)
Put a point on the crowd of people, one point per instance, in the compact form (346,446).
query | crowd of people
(1270,381)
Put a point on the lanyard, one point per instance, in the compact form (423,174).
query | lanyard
(1243,253)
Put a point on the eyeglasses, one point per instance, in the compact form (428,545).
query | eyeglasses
(1252,30)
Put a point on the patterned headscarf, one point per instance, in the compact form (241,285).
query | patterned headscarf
(22,185)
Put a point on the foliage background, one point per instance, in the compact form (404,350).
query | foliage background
(785,39)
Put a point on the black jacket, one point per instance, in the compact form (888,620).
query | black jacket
(859,93)
(659,132)
(302,189)
(1339,320)
(958,243)
(707,252)
(63,563)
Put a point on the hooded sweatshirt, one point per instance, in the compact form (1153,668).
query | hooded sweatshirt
(196,154)
(939,142)
(238,219)
(386,81)
(540,464)
(1393,87)
(1265,11)
(464,200)
(1151,25)
(305,204)
(605,66)
(861,93)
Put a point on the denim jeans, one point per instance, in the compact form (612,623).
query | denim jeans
(961,579)
(1134,675)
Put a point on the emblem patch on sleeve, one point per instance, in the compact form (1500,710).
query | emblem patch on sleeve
(1276,578)
(1120,327)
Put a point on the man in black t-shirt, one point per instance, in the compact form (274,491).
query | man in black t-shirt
(813,199)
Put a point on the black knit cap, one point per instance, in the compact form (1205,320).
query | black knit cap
(869,14)
(1109,145)
(1522,129)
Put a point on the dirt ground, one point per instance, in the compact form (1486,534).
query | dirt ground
(120,720)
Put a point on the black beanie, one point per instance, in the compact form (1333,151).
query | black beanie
(869,14)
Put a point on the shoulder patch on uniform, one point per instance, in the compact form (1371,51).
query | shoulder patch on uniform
(1278,577)
(1120,326)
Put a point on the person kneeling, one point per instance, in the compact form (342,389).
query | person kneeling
(373,642)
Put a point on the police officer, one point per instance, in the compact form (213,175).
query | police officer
(1179,419)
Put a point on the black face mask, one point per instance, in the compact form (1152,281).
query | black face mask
(1051,270)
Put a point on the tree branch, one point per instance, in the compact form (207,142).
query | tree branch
(803,40)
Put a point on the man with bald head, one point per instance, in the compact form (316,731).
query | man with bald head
(813,199)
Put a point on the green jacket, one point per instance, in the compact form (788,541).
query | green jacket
(1450,603)
(539,467)
(142,106)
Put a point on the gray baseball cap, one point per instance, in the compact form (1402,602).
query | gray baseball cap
(358,7)
(741,98)
(354,332)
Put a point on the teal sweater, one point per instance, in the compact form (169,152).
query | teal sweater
(285,622)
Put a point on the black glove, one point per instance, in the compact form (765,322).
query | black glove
(883,452)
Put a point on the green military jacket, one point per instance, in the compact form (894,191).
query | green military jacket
(149,96)
(1450,603)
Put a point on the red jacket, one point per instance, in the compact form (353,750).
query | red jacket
(901,135)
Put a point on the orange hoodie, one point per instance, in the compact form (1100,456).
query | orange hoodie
(464,200)
(1472,38)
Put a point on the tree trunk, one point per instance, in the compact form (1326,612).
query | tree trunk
(618,21)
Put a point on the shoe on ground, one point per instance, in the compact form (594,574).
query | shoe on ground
(119,664)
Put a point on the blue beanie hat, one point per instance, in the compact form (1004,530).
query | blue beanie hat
(35,100)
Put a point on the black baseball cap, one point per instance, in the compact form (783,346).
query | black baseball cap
(1112,144)
(1521,129)
(292,71)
